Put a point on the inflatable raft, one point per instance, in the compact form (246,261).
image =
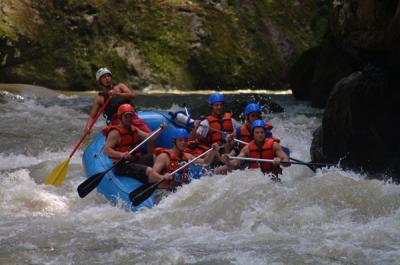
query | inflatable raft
(117,188)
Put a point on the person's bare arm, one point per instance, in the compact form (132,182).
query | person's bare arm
(279,154)
(229,142)
(97,103)
(235,163)
(142,135)
(123,91)
(160,162)
(112,140)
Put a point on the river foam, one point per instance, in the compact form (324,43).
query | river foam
(331,216)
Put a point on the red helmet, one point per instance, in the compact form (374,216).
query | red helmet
(125,108)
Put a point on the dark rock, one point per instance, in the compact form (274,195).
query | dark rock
(301,73)
(355,74)
(359,124)
(360,32)
(316,72)
(316,151)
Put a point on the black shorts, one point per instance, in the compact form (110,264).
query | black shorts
(136,168)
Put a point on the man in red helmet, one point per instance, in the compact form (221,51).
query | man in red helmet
(124,137)
(120,93)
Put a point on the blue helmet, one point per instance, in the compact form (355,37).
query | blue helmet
(180,133)
(268,133)
(216,97)
(257,124)
(252,107)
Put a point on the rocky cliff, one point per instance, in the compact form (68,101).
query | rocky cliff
(184,44)
(355,75)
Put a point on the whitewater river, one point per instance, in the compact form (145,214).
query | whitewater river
(328,217)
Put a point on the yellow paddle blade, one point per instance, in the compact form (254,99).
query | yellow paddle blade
(58,174)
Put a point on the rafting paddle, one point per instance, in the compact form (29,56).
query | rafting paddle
(57,175)
(92,182)
(309,165)
(282,162)
(142,193)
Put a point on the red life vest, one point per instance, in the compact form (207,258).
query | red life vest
(245,135)
(128,140)
(263,152)
(175,162)
(225,124)
(195,148)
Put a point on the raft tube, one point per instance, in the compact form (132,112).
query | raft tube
(115,188)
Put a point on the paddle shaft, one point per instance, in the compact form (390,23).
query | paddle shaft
(282,162)
(155,185)
(90,126)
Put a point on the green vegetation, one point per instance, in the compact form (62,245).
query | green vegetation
(188,44)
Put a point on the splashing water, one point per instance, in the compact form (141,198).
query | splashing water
(328,217)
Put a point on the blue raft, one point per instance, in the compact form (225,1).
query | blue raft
(117,188)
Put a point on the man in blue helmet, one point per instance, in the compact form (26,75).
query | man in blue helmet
(261,147)
(252,112)
(168,160)
(209,130)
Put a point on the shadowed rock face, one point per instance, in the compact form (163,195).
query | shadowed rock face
(360,124)
(360,32)
(355,75)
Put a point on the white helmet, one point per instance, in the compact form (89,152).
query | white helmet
(101,72)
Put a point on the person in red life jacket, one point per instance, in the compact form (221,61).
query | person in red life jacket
(207,131)
(168,160)
(252,112)
(121,139)
(120,93)
(260,147)
(195,147)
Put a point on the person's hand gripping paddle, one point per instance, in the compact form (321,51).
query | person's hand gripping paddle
(142,193)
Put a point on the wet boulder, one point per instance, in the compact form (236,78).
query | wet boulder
(359,126)
(360,32)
